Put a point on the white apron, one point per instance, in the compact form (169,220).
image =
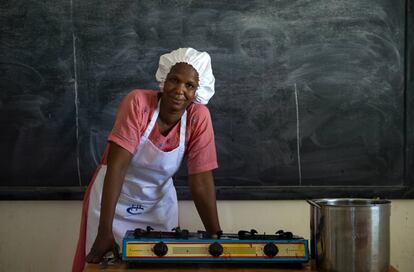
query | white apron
(148,196)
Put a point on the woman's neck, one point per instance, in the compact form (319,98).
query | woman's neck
(167,118)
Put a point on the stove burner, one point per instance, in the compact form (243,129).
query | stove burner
(253,235)
(176,233)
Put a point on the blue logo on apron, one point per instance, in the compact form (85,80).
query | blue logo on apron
(135,209)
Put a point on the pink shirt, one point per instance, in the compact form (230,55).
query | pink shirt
(134,115)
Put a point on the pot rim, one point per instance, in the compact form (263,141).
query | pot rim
(351,202)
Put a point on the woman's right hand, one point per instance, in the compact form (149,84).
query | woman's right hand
(103,244)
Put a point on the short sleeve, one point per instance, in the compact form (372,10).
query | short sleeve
(201,150)
(126,131)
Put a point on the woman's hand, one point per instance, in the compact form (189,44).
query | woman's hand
(103,244)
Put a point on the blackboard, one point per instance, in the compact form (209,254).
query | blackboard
(312,97)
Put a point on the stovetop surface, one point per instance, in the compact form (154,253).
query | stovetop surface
(177,233)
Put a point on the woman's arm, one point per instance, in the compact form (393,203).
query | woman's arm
(118,161)
(204,195)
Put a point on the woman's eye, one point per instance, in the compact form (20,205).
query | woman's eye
(190,86)
(173,80)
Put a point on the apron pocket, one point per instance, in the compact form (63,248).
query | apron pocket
(160,214)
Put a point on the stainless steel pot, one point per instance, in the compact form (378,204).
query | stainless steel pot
(350,235)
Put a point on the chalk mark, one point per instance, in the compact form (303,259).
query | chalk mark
(298,135)
(75,71)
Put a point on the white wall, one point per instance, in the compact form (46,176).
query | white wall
(42,235)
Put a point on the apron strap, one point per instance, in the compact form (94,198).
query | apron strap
(183,126)
(152,123)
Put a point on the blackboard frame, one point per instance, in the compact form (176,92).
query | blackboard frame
(227,193)
(406,191)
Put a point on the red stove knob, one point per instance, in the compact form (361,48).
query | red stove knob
(270,249)
(215,249)
(160,249)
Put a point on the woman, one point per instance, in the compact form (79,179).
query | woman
(153,131)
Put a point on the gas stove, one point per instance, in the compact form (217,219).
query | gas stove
(180,245)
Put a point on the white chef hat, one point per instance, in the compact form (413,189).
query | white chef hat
(201,61)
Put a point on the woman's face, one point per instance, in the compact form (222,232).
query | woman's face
(180,86)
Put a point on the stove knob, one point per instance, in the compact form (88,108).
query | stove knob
(215,249)
(160,249)
(270,249)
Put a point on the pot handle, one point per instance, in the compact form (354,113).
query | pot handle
(313,203)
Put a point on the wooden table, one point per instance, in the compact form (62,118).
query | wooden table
(204,268)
